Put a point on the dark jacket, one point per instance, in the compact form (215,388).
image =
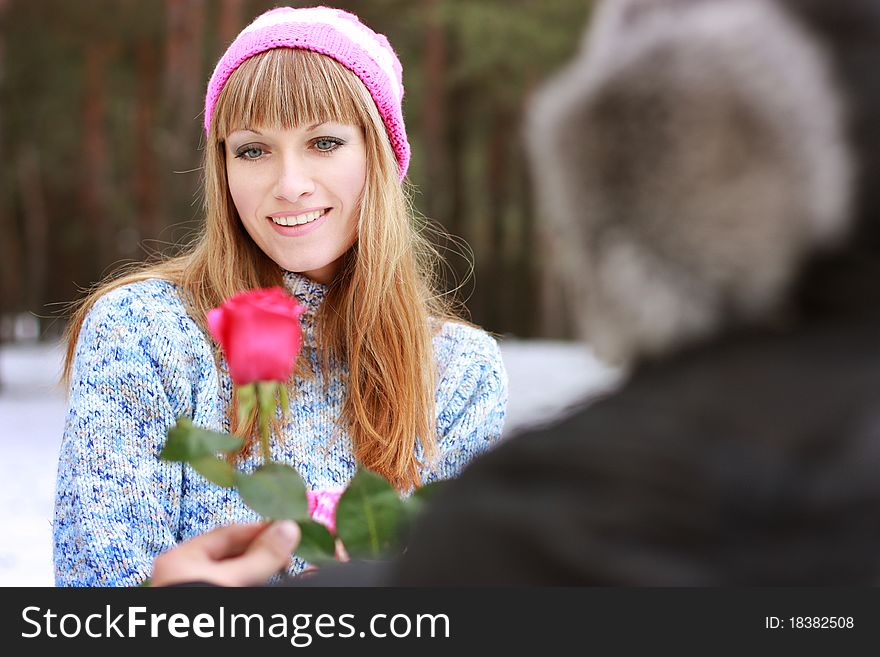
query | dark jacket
(752,460)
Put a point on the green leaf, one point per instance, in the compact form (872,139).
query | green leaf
(317,545)
(189,443)
(215,470)
(275,491)
(369,517)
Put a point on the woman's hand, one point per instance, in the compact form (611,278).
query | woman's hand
(234,555)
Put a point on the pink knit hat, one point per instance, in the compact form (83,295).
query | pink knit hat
(337,34)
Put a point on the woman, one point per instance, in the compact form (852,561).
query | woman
(306,153)
(729,253)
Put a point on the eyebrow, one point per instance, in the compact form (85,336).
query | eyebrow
(257,132)
(245,129)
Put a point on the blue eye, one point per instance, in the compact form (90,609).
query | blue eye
(249,152)
(327,144)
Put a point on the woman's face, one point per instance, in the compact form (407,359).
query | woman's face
(297,192)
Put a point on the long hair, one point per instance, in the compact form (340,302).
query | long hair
(383,308)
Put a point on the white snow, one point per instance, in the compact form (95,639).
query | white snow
(545,377)
(32,409)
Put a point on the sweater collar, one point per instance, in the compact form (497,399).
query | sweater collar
(309,293)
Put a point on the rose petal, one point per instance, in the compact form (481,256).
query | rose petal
(322,506)
(260,333)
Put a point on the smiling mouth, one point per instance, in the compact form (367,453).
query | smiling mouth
(300,219)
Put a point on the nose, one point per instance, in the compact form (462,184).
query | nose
(294,179)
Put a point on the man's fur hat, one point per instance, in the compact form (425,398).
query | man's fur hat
(687,163)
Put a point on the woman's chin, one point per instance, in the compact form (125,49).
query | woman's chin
(320,274)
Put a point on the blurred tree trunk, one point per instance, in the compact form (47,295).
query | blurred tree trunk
(496,283)
(183,69)
(457,222)
(95,170)
(457,153)
(10,245)
(146,187)
(229,22)
(528,248)
(525,272)
(184,93)
(444,126)
(36,227)
(436,194)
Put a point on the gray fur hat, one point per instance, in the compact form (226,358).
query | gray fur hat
(687,163)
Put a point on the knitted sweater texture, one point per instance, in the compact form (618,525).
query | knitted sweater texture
(141,362)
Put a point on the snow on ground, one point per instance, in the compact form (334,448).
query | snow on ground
(545,378)
(31,422)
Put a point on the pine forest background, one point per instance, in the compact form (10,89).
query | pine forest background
(100,134)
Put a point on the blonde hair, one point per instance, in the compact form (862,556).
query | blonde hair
(383,308)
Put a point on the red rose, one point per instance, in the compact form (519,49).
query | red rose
(260,333)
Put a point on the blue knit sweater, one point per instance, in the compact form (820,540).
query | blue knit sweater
(141,362)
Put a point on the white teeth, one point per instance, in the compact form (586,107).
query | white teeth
(298,220)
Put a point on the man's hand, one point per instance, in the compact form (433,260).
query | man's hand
(235,555)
